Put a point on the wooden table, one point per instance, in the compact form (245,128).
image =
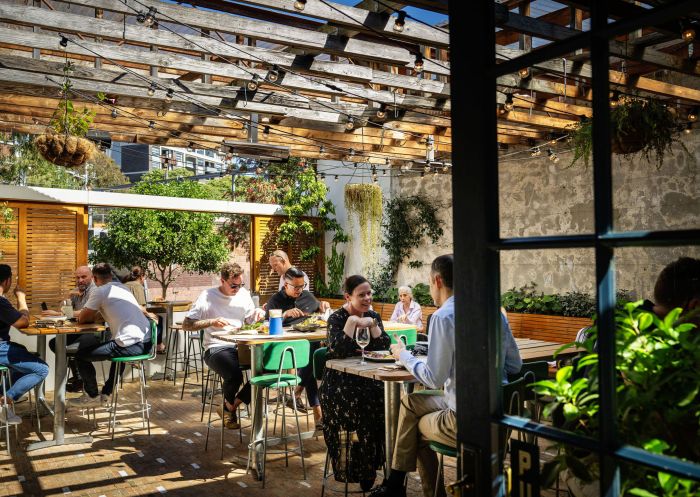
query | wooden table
(255,342)
(60,375)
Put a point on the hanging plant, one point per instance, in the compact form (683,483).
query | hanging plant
(64,143)
(636,125)
(365,202)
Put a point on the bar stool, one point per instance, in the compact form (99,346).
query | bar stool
(5,375)
(193,352)
(213,378)
(137,362)
(280,356)
(173,354)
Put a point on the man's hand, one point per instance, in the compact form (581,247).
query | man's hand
(397,348)
(324,306)
(293,313)
(20,293)
(219,322)
(258,314)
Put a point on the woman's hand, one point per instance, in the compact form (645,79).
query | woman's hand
(365,322)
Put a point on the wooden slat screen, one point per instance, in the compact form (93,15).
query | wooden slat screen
(49,242)
(264,242)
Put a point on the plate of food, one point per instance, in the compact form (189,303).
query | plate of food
(311,323)
(379,356)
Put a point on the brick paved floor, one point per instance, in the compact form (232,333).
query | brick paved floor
(171,461)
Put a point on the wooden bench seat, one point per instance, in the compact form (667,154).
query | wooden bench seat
(559,329)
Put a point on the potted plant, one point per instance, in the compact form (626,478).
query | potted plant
(64,143)
(636,125)
(658,402)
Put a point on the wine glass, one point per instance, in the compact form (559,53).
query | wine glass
(362,339)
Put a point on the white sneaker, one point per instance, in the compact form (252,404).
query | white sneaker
(7,415)
(85,401)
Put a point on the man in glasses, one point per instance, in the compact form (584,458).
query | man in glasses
(296,305)
(216,309)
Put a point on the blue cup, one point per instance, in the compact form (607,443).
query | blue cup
(276,326)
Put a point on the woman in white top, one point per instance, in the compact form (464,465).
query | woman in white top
(407,310)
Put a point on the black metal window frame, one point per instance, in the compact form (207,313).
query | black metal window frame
(477,244)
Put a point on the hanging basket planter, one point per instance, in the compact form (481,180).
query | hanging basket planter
(65,150)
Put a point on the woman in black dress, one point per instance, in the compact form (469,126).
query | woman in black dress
(353,407)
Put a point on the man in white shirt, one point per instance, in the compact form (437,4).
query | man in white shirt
(228,305)
(131,332)
(426,416)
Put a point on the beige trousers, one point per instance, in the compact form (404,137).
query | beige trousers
(423,417)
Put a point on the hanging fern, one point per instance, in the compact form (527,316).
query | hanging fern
(365,202)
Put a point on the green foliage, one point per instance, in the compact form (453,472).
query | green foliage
(364,201)
(6,217)
(527,300)
(67,120)
(658,398)
(22,162)
(421,294)
(166,242)
(644,125)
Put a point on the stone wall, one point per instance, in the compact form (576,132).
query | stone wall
(540,197)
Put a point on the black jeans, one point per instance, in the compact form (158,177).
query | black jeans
(101,352)
(224,360)
(85,341)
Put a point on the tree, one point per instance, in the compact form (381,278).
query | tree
(165,242)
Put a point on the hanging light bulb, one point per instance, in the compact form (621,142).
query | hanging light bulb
(615,99)
(688,129)
(114,113)
(350,124)
(426,168)
(552,156)
(445,167)
(553,139)
(524,72)
(323,176)
(152,124)
(152,89)
(336,178)
(63,42)
(321,149)
(536,152)
(422,175)
(400,22)
(252,85)
(509,102)
(274,74)
(418,63)
(687,32)
(266,130)
(300,4)
(693,115)
(352,152)
(381,112)
(148,18)
(245,129)
(169,95)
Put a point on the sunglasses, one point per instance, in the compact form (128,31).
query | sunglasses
(236,287)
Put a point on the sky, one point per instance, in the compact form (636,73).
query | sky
(424,15)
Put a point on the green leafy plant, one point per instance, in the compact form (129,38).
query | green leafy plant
(364,201)
(637,125)
(421,294)
(658,399)
(6,217)
(166,242)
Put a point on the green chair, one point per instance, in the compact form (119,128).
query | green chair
(443,450)
(144,406)
(279,357)
(5,375)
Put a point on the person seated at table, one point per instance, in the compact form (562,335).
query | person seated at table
(351,404)
(134,281)
(407,310)
(279,262)
(296,305)
(27,369)
(678,285)
(431,417)
(229,304)
(84,285)
(130,328)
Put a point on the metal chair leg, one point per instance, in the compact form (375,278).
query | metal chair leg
(7,425)
(115,398)
(301,447)
(439,480)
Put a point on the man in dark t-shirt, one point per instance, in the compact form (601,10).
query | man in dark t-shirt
(296,304)
(27,369)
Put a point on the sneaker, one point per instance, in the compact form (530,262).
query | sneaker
(384,490)
(7,415)
(301,407)
(75,386)
(85,400)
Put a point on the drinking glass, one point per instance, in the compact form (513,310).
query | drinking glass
(362,339)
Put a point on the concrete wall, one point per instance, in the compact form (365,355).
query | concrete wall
(539,197)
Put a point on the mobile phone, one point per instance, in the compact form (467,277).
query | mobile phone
(44,307)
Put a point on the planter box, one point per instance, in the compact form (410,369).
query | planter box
(559,329)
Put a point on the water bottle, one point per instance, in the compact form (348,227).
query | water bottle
(276,322)
(67,309)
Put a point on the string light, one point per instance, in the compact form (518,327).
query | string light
(693,115)
(381,112)
(152,124)
(321,149)
(152,89)
(509,102)
(536,152)
(615,100)
(553,139)
(427,168)
(114,113)
(169,95)
(445,167)
(149,18)
(400,21)
(336,178)
(266,130)
(418,63)
(524,72)
(688,128)
(252,85)
(552,156)
(300,4)
(350,124)
(63,42)
(687,32)
(274,74)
